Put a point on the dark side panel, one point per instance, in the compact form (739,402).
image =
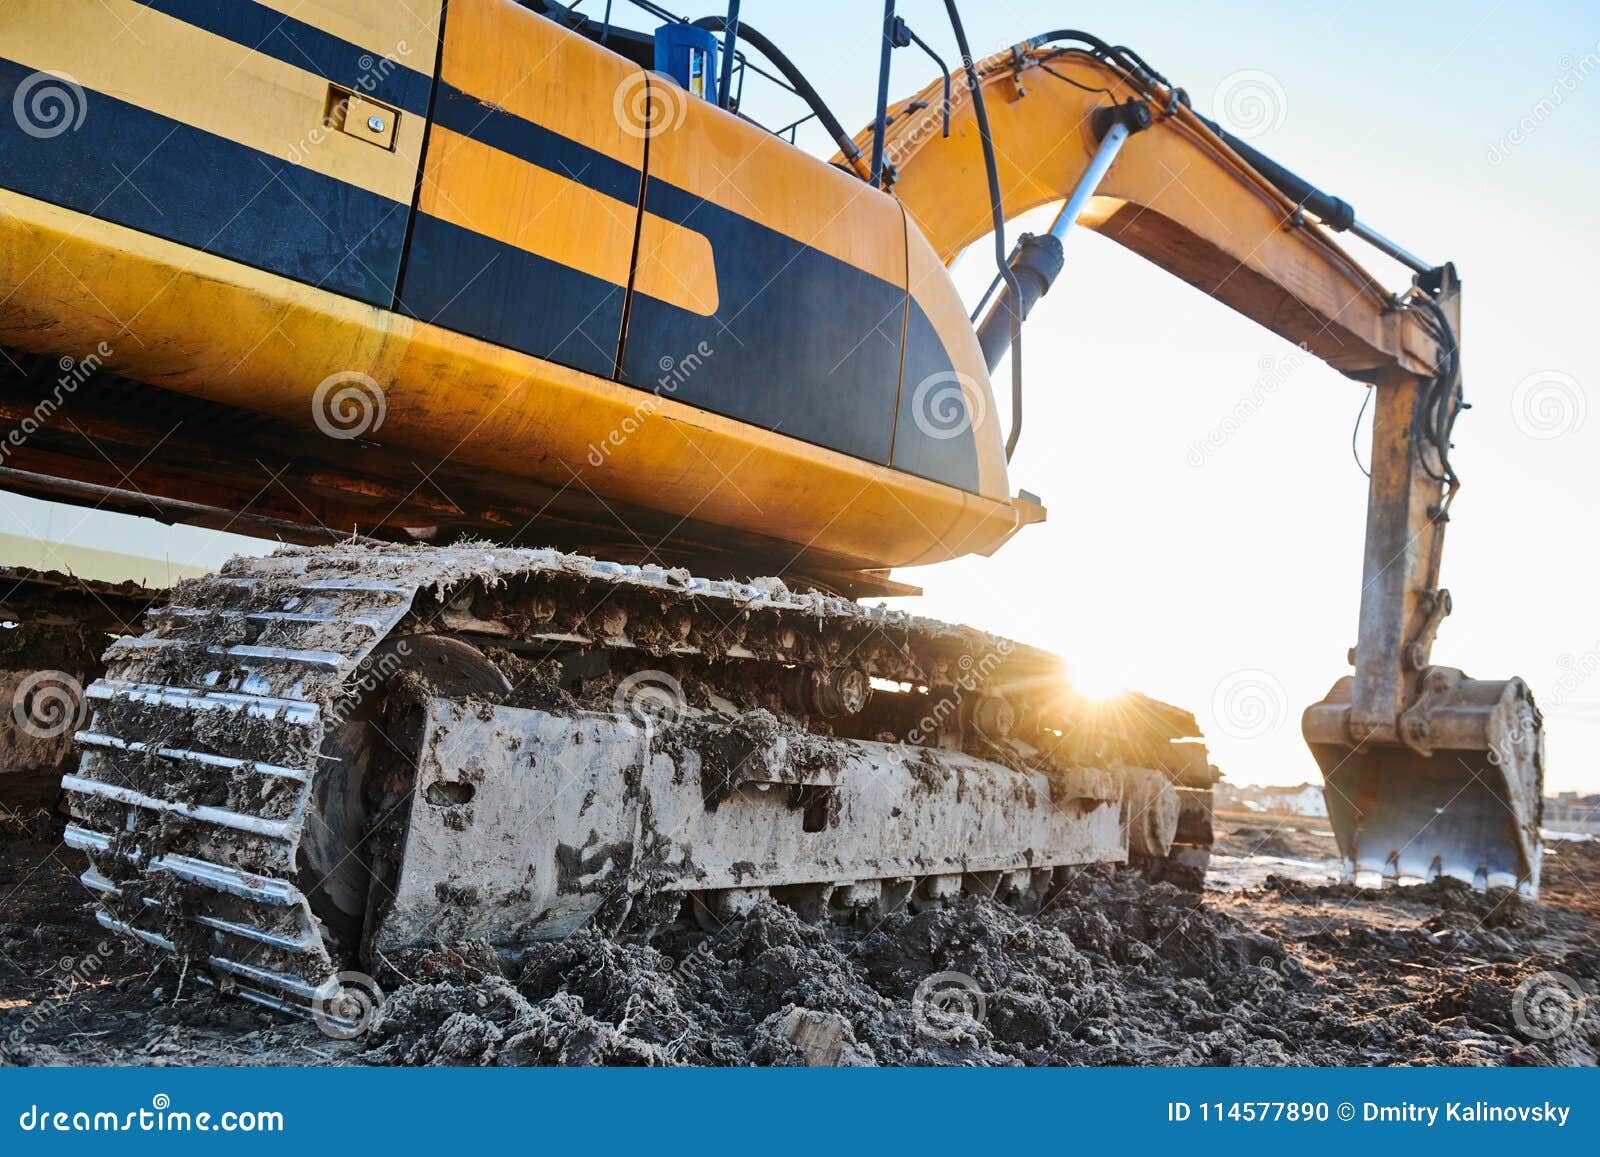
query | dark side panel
(476,285)
(801,343)
(463,280)
(934,432)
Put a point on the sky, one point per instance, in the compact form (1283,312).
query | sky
(1206,515)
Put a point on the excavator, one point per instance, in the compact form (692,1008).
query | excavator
(589,410)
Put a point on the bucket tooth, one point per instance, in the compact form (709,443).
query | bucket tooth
(1460,797)
(1391,868)
(1014,885)
(895,895)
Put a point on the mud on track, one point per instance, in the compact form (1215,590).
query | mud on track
(1118,971)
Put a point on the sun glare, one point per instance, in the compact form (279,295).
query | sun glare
(1100,686)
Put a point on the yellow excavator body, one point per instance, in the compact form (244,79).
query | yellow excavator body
(510,280)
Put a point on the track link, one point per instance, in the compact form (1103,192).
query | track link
(198,761)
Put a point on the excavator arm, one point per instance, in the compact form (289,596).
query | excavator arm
(1427,772)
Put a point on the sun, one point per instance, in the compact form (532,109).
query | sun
(1097,684)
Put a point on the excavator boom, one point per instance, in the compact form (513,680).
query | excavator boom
(1427,772)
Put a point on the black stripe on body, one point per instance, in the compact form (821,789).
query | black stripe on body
(305,46)
(476,285)
(137,168)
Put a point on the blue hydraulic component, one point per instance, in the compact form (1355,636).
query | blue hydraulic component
(688,55)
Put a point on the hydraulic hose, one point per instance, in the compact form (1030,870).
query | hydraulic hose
(793,75)
(997,213)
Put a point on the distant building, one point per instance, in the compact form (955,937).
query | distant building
(1301,800)
(1572,812)
(1304,800)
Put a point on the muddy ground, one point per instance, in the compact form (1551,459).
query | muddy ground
(1282,968)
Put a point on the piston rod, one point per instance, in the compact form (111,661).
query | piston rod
(1037,260)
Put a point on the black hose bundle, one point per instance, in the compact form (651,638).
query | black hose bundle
(1442,403)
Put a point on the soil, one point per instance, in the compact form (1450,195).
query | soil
(1283,967)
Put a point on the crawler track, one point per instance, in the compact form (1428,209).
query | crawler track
(202,796)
